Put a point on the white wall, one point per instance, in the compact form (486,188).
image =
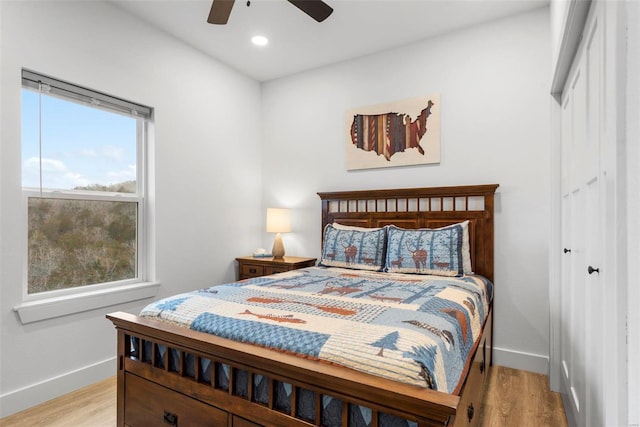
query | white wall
(206,189)
(494,84)
(558,11)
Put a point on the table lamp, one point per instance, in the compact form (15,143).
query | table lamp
(278,221)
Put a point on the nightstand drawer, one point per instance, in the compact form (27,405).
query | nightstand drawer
(273,270)
(252,270)
(249,267)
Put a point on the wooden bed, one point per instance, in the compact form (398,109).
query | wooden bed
(154,390)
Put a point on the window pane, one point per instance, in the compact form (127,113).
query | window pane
(80,242)
(83,147)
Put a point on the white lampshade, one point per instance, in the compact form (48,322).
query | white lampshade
(278,221)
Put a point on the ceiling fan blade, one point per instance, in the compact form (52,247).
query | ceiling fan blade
(317,9)
(220,11)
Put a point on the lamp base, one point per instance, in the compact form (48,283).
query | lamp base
(278,247)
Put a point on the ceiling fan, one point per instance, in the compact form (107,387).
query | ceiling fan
(317,9)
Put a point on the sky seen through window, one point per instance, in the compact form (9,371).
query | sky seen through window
(81,145)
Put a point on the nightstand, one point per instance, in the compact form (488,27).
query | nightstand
(249,266)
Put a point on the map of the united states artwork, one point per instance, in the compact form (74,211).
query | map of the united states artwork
(394,134)
(390,133)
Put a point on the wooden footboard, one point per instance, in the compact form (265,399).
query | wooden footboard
(169,376)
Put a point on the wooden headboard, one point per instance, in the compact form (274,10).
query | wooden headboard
(421,208)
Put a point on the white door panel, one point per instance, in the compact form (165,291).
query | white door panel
(581,293)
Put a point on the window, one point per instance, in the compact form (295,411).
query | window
(83,169)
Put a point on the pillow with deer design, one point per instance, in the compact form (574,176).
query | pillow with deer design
(359,249)
(425,251)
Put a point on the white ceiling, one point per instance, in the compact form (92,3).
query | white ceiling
(298,43)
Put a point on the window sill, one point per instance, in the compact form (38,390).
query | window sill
(49,308)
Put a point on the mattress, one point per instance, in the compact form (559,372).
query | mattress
(415,329)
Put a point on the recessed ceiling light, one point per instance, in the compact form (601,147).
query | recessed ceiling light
(259,40)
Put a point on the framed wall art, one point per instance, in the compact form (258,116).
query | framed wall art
(398,133)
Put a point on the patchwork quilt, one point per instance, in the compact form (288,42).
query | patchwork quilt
(415,329)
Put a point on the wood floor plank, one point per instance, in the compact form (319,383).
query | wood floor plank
(514,399)
(92,406)
(522,399)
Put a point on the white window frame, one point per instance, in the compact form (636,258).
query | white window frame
(61,302)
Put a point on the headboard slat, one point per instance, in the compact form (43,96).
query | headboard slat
(336,208)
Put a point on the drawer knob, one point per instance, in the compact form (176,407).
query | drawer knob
(470,411)
(253,271)
(567,250)
(171,419)
(592,270)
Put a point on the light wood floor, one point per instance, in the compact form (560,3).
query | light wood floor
(92,406)
(514,399)
(520,399)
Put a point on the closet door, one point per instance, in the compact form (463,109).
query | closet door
(582,229)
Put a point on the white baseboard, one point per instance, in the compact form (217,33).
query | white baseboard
(519,360)
(18,400)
